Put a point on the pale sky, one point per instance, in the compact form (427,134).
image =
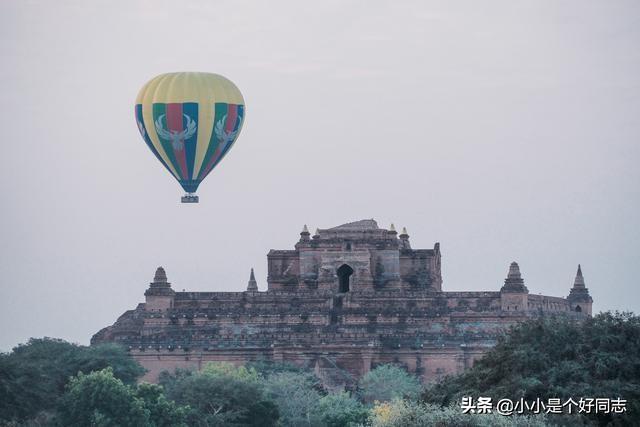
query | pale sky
(506,130)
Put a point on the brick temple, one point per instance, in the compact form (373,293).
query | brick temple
(341,302)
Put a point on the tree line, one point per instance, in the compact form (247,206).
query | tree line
(50,382)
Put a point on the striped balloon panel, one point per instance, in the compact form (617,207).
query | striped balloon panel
(188,144)
(145,135)
(227,123)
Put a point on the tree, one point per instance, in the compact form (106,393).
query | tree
(388,382)
(558,358)
(296,395)
(221,396)
(34,375)
(341,410)
(100,399)
(162,412)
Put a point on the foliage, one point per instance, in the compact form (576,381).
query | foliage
(542,358)
(162,412)
(296,395)
(34,375)
(388,382)
(557,357)
(404,413)
(341,409)
(221,395)
(100,399)
(226,369)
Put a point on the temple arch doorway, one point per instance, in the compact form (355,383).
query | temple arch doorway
(344,278)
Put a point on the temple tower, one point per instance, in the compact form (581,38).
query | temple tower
(159,296)
(514,294)
(354,257)
(252,286)
(579,298)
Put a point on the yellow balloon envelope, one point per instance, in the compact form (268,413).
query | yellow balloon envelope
(189,121)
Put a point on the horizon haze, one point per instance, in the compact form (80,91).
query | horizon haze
(506,131)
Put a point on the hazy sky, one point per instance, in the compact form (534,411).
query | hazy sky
(504,130)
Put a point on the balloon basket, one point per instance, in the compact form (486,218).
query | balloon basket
(189,198)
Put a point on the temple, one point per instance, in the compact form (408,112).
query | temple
(341,302)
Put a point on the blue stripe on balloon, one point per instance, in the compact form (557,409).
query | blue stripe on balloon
(191,110)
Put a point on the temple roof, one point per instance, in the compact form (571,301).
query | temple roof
(363,224)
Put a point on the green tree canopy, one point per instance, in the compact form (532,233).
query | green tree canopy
(406,413)
(226,369)
(388,382)
(100,399)
(221,395)
(341,410)
(557,357)
(162,412)
(34,375)
(297,396)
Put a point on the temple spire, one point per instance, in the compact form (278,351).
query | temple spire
(304,234)
(579,294)
(252,286)
(160,276)
(514,281)
(160,279)
(579,281)
(160,285)
(404,239)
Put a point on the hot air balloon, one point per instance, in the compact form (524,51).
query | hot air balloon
(189,122)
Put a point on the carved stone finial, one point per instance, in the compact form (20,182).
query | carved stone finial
(252,286)
(404,235)
(305,229)
(392,228)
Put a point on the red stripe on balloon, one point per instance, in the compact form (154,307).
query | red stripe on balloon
(174,124)
(232,115)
